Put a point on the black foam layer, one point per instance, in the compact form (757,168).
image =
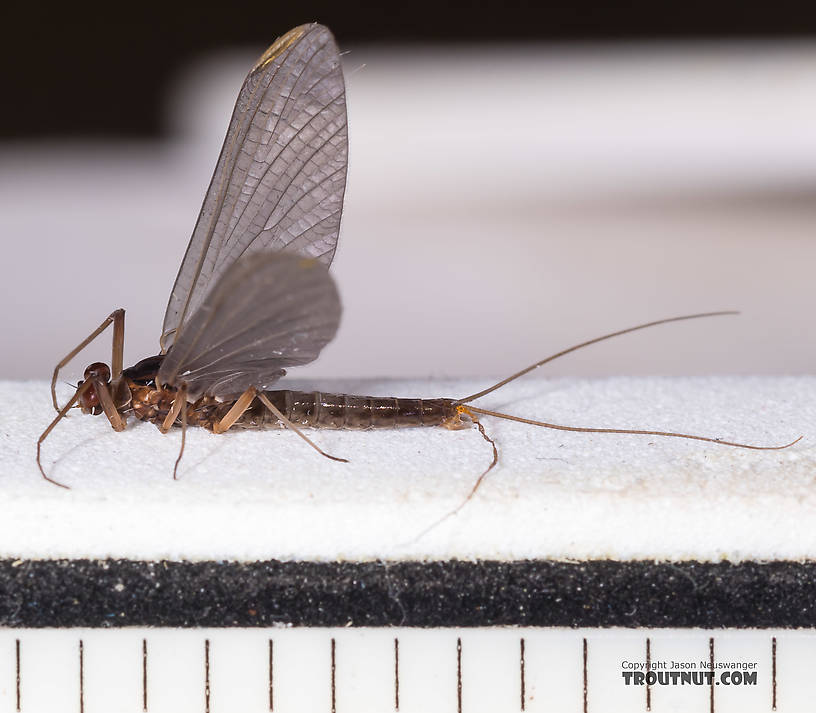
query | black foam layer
(114,593)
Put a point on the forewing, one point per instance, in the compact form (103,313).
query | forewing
(280,178)
(266,312)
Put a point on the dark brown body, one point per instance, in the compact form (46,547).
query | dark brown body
(118,392)
(342,411)
(311,409)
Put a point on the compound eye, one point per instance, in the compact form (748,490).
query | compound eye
(89,400)
(98,369)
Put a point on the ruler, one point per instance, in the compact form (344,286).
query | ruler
(355,670)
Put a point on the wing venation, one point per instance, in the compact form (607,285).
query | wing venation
(267,312)
(281,175)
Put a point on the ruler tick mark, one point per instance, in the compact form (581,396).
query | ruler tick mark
(459,675)
(17,669)
(711,668)
(206,675)
(333,679)
(521,672)
(81,676)
(271,675)
(144,674)
(648,668)
(586,708)
(396,674)
(773,673)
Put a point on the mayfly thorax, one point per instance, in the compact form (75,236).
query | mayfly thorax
(253,295)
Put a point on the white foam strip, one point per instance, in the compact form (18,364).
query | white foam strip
(254,496)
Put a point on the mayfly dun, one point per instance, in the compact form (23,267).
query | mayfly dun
(253,295)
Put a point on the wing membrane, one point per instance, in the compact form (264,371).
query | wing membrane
(281,175)
(266,312)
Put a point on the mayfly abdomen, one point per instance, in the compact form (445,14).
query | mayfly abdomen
(316,409)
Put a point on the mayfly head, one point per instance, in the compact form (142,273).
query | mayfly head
(99,376)
(89,397)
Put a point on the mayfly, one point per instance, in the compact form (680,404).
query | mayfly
(253,295)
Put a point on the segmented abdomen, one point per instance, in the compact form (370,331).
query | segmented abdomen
(336,411)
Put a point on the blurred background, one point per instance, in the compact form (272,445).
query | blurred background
(519,180)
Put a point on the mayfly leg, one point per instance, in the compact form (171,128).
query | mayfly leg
(178,403)
(60,415)
(291,426)
(102,391)
(245,401)
(230,417)
(179,407)
(117,318)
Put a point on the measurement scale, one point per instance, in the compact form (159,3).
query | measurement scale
(135,640)
(408,670)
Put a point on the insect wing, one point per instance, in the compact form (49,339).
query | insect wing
(280,178)
(267,312)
